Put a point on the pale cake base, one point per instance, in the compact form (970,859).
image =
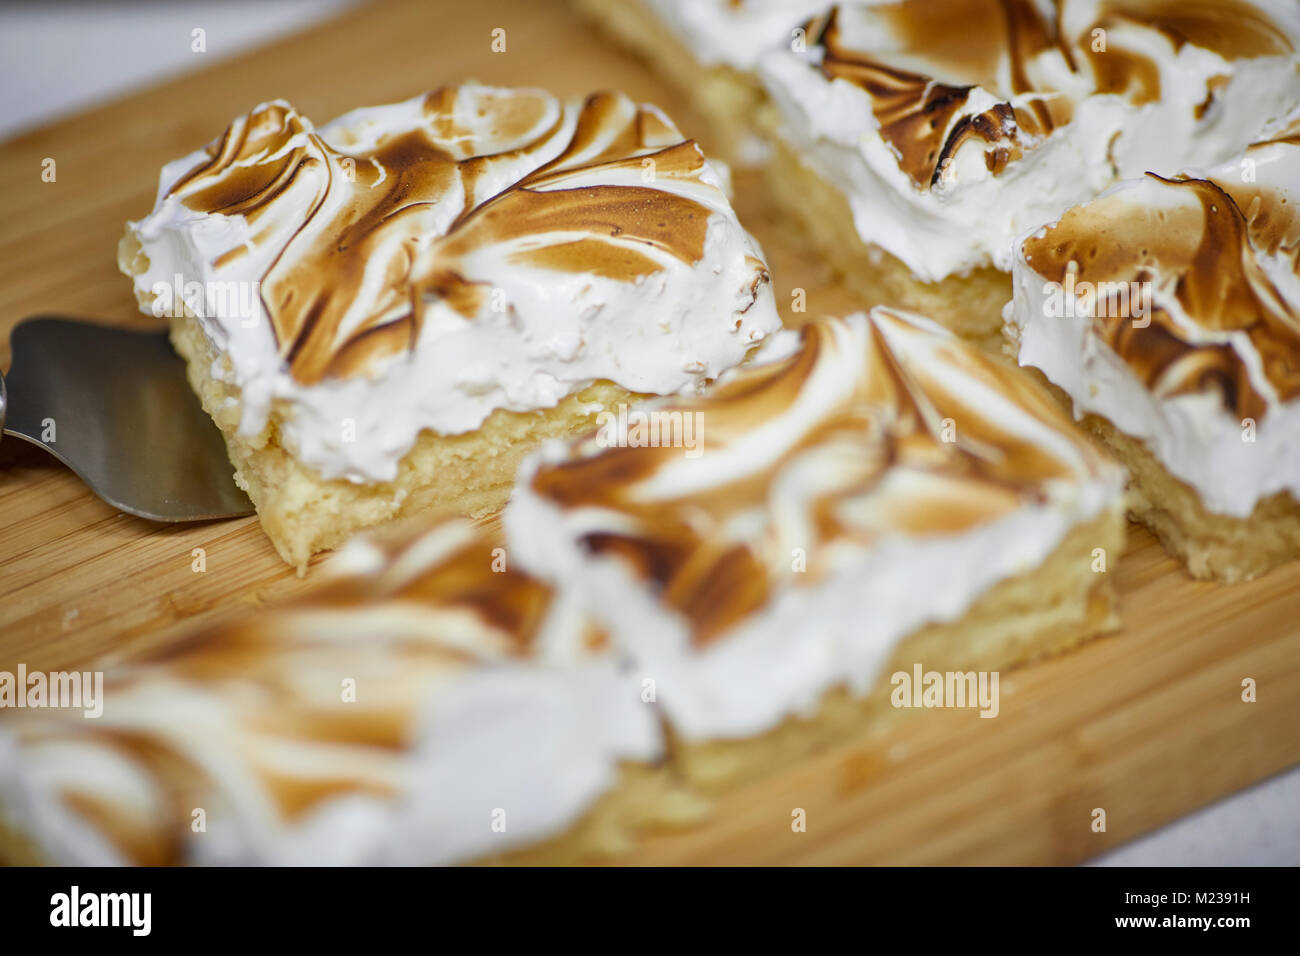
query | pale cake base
(728,99)
(969,305)
(646,799)
(302,513)
(469,474)
(1216,546)
(1211,546)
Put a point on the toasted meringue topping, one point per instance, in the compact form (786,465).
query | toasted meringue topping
(414,209)
(1234,29)
(939,51)
(863,478)
(383,720)
(1171,306)
(874,428)
(1217,318)
(952,126)
(472,249)
(926,120)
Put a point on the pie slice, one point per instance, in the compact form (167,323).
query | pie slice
(386,314)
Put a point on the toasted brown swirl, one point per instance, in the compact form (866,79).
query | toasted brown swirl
(1234,29)
(926,120)
(921,84)
(367,235)
(874,427)
(1198,244)
(248,720)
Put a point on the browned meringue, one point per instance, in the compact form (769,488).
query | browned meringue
(952,127)
(875,429)
(970,44)
(370,208)
(385,719)
(420,265)
(864,478)
(1201,245)
(944,49)
(1170,306)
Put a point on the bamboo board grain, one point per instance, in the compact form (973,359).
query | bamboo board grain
(1147,724)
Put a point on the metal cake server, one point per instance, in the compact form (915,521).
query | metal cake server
(114,406)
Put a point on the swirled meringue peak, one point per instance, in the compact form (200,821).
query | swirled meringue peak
(418,265)
(954,125)
(1171,307)
(833,483)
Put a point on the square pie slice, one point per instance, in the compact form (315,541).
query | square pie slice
(385,314)
(870,494)
(1167,311)
(427,705)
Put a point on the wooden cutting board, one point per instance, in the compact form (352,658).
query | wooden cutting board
(1146,724)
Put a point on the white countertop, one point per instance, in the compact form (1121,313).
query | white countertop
(58,58)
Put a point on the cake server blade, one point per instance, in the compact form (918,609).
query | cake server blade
(114,406)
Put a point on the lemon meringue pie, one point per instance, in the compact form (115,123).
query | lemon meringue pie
(428,704)
(386,313)
(1168,312)
(870,493)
